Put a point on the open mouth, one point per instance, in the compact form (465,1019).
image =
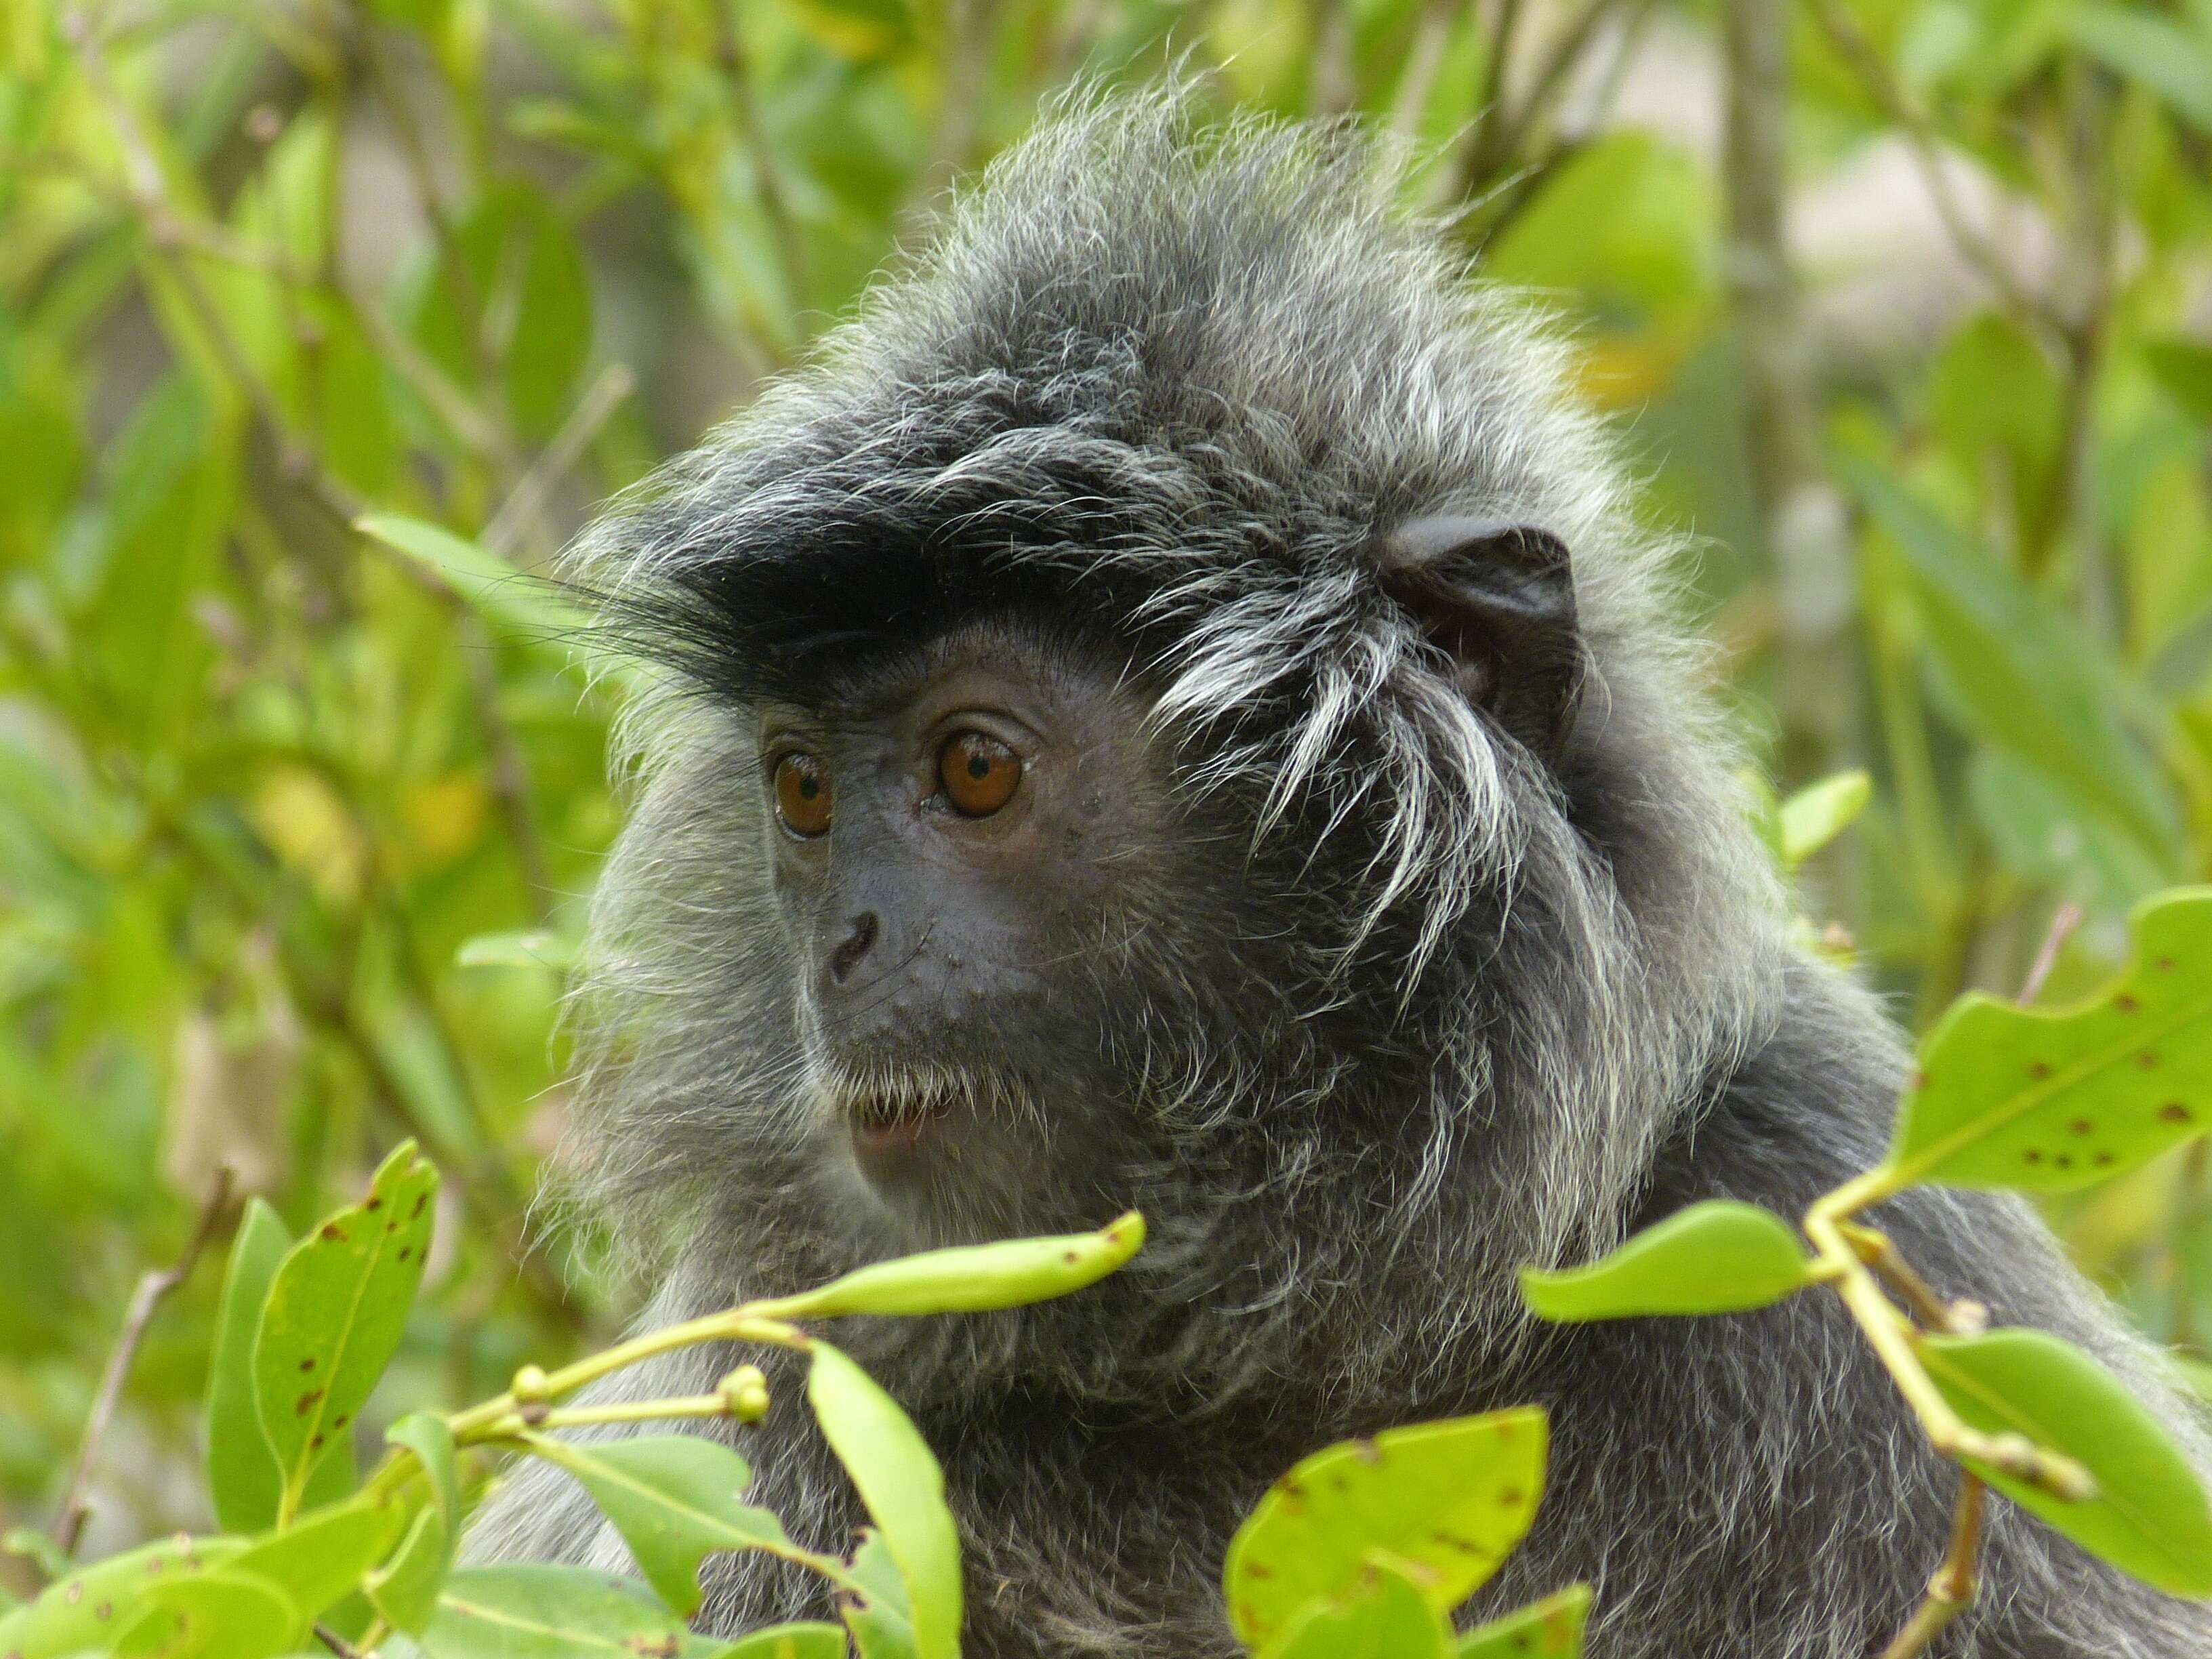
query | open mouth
(893,1118)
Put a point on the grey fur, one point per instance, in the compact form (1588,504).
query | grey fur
(1181,380)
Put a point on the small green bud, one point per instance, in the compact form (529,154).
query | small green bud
(745,1394)
(531,1386)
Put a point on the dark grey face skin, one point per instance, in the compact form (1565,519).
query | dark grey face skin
(945,1006)
(1374,909)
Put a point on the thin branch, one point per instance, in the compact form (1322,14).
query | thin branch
(1978,250)
(2064,922)
(1952,1588)
(337,1643)
(154,1287)
(526,504)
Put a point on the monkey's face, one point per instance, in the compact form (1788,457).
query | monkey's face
(959,841)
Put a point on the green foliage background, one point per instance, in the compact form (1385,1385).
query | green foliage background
(1905,306)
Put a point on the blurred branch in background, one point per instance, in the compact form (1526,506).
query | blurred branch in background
(1903,309)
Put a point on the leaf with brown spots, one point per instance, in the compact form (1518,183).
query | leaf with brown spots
(2047,1100)
(1441,1503)
(226,1614)
(333,1318)
(1549,1629)
(87,1611)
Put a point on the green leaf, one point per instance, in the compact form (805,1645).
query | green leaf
(1441,1502)
(88,1611)
(223,1615)
(535,1611)
(676,1498)
(535,947)
(1385,1616)
(530,609)
(789,1642)
(972,1279)
(2149,1517)
(335,1314)
(322,1558)
(2047,1099)
(881,1619)
(1715,1257)
(405,1590)
(2028,681)
(1549,1629)
(903,1489)
(2173,61)
(1821,812)
(2183,366)
(242,1475)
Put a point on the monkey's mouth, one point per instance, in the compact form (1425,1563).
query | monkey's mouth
(894,1117)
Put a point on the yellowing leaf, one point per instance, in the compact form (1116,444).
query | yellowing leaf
(1443,1503)
(1549,1629)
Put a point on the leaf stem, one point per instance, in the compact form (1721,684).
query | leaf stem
(1893,1338)
(1952,1589)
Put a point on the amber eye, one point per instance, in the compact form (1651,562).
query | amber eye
(802,794)
(979,773)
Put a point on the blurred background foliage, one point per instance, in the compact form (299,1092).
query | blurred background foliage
(1903,307)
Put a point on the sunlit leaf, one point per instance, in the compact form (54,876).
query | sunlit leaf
(540,1612)
(335,1312)
(2149,1515)
(322,1558)
(903,1488)
(405,1590)
(536,947)
(242,1475)
(1817,813)
(676,1498)
(1441,1502)
(222,1614)
(2052,1098)
(973,1279)
(89,1609)
(1549,1629)
(789,1642)
(1383,1616)
(528,609)
(1715,1257)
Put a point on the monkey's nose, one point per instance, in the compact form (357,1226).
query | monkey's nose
(856,945)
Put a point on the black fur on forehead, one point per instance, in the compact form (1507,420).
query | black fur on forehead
(1170,386)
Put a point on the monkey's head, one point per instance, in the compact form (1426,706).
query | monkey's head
(1168,709)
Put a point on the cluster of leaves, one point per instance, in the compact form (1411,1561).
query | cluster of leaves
(1364,1548)
(293,829)
(2043,1100)
(310,1550)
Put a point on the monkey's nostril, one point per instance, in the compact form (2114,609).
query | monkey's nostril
(846,956)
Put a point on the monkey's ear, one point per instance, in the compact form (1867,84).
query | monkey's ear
(1499,600)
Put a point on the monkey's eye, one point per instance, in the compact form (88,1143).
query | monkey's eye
(979,773)
(802,794)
